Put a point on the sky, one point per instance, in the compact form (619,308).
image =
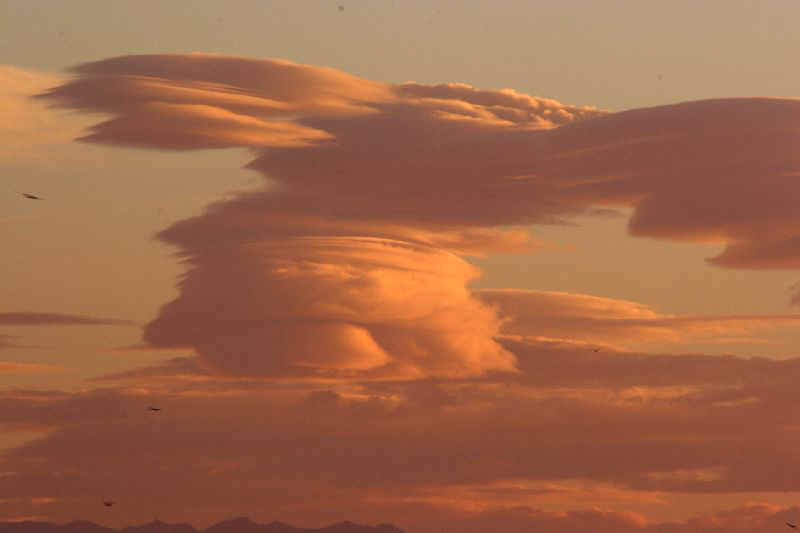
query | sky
(468,265)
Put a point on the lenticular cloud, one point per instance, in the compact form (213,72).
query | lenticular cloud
(350,266)
(331,306)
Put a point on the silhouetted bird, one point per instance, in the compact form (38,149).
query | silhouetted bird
(793,526)
(595,350)
(108,503)
(156,409)
(341,7)
(31,196)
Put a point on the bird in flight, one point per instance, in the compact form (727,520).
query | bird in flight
(156,409)
(595,350)
(793,526)
(108,503)
(31,196)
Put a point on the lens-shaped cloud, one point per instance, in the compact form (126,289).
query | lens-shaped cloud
(333,305)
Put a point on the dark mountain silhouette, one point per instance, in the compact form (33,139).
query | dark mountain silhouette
(245,525)
(157,526)
(236,525)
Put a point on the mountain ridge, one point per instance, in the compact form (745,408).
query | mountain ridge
(240,524)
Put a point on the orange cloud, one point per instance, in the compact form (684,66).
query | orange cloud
(609,429)
(410,319)
(454,156)
(329,306)
(444,166)
(194,126)
(586,318)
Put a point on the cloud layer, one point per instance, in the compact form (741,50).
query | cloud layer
(619,431)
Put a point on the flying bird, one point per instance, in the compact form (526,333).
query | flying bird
(31,196)
(156,409)
(108,503)
(793,526)
(595,350)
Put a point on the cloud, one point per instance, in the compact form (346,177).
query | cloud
(758,517)
(554,322)
(586,318)
(333,306)
(202,458)
(200,126)
(460,134)
(296,246)
(521,492)
(7,341)
(346,271)
(171,368)
(363,164)
(619,430)
(564,365)
(622,429)
(24,318)
(719,170)
(14,367)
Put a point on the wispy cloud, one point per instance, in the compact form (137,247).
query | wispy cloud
(15,367)
(25,318)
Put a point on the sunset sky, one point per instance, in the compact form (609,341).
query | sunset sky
(481,266)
